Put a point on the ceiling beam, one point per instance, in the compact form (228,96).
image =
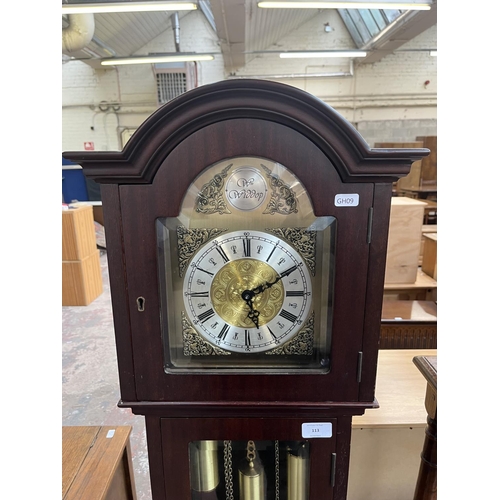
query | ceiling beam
(230,21)
(400,32)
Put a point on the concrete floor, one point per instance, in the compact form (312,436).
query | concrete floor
(90,387)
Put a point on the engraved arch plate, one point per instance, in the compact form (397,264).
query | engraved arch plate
(246,189)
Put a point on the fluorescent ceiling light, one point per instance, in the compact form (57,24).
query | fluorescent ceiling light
(354,4)
(104,8)
(326,53)
(433,53)
(157,59)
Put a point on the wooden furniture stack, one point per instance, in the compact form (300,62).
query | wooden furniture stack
(81,268)
(409,312)
(97,464)
(403,245)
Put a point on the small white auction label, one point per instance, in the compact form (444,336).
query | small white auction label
(317,430)
(347,200)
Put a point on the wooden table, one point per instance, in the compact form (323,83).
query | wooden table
(426,487)
(399,384)
(97,463)
(408,324)
(424,288)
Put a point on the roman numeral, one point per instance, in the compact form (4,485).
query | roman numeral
(292,293)
(222,254)
(288,271)
(199,294)
(272,251)
(246,247)
(208,272)
(247,338)
(288,315)
(223,332)
(206,315)
(276,340)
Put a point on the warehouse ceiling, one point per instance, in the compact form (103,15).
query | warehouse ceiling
(244,30)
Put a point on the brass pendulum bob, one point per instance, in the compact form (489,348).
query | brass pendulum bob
(298,473)
(252,480)
(204,469)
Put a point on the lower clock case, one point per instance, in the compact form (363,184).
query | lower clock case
(249,458)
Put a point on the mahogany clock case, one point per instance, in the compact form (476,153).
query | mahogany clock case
(148,181)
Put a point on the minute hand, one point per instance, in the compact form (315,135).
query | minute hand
(268,284)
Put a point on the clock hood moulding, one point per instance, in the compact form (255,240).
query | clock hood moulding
(265,100)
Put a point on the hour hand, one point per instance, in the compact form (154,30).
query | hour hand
(253,314)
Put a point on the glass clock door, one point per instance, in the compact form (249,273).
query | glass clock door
(277,458)
(249,470)
(246,274)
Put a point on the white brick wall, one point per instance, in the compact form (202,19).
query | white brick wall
(392,90)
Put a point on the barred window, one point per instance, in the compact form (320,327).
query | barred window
(170,85)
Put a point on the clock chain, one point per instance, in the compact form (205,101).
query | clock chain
(277,468)
(228,469)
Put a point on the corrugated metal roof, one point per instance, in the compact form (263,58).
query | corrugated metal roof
(365,24)
(243,28)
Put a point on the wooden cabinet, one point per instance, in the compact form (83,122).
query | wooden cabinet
(403,245)
(429,257)
(96,463)
(81,268)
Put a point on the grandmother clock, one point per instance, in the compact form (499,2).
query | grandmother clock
(246,230)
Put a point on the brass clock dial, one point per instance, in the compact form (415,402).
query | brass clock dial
(247,291)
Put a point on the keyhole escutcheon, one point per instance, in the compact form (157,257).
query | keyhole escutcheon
(140,303)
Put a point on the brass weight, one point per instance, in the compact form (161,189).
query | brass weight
(252,480)
(204,466)
(298,473)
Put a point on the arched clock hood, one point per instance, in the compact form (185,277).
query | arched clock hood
(167,127)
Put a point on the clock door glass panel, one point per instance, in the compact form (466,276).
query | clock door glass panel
(246,273)
(249,470)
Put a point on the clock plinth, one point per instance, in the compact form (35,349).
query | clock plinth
(246,227)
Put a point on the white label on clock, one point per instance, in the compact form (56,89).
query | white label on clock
(317,430)
(347,200)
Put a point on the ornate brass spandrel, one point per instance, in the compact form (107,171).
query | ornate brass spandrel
(190,240)
(283,199)
(236,277)
(210,200)
(302,344)
(194,345)
(302,240)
